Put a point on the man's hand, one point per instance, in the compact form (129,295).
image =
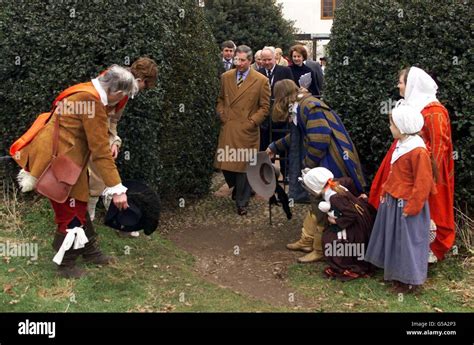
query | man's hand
(120,201)
(331,220)
(115,150)
(270,153)
(363,196)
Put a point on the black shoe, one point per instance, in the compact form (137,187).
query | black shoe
(241,211)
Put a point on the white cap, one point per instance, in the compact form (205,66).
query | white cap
(407,119)
(317,178)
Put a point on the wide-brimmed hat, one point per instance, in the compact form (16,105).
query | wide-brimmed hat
(143,212)
(315,179)
(261,175)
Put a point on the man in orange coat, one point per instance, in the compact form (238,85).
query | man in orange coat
(419,91)
(80,132)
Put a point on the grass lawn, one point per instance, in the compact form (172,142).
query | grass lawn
(154,275)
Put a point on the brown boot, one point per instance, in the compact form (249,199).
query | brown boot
(67,268)
(304,244)
(311,257)
(91,252)
(317,248)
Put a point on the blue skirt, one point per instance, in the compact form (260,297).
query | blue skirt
(398,244)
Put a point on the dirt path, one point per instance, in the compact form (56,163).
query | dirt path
(244,254)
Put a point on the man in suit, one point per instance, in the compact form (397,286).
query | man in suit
(274,73)
(227,55)
(242,105)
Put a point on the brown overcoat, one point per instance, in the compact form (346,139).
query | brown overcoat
(236,106)
(78,133)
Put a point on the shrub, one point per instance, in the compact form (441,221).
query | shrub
(371,41)
(169,132)
(254,23)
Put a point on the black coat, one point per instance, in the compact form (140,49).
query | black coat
(298,71)
(279,73)
(318,73)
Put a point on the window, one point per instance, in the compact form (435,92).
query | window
(328,7)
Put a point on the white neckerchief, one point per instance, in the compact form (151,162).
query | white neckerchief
(100,90)
(330,192)
(76,237)
(420,89)
(294,112)
(409,144)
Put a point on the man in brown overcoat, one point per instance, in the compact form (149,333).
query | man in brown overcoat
(242,105)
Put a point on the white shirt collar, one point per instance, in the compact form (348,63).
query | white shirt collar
(100,90)
(266,70)
(409,144)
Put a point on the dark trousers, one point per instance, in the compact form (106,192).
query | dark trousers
(241,186)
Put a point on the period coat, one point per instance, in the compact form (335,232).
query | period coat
(436,134)
(236,106)
(357,219)
(78,133)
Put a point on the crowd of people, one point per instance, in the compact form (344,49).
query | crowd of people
(401,222)
(267,102)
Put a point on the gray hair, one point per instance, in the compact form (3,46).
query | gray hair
(245,49)
(119,79)
(258,53)
(271,49)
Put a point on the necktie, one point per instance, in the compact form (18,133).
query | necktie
(270,76)
(227,65)
(240,79)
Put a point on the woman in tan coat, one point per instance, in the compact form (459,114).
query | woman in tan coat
(83,129)
(145,71)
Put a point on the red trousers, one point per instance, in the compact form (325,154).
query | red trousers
(66,212)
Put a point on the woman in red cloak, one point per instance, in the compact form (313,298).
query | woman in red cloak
(419,91)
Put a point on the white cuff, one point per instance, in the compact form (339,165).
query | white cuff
(117,140)
(118,189)
(76,237)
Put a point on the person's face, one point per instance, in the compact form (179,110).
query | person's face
(277,55)
(268,60)
(228,53)
(395,131)
(297,58)
(141,84)
(258,59)
(114,97)
(241,62)
(401,85)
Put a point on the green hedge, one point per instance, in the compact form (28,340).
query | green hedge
(371,41)
(254,23)
(169,133)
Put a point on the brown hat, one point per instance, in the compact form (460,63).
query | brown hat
(261,175)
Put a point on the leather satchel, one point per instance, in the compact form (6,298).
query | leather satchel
(61,174)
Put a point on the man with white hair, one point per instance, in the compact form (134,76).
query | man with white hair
(257,60)
(274,73)
(74,133)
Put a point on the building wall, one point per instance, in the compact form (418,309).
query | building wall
(307,16)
